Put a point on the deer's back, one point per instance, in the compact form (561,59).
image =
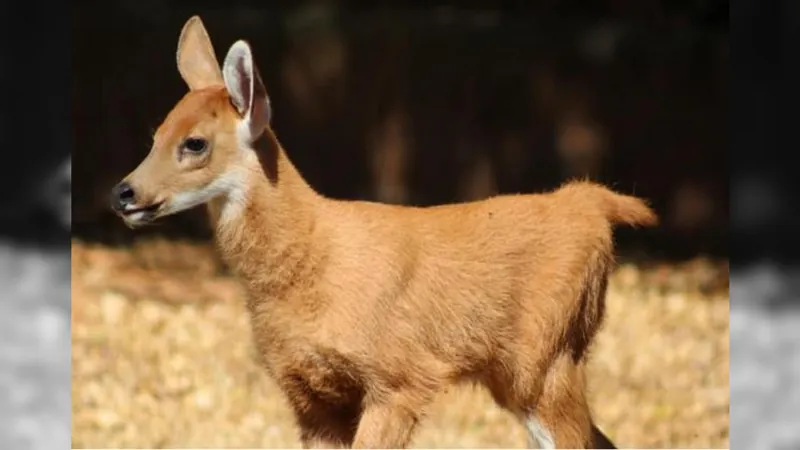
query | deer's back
(461,270)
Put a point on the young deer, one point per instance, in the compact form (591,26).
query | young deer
(363,312)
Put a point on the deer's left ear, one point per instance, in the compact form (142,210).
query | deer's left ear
(247,91)
(197,62)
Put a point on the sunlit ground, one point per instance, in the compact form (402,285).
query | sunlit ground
(162,357)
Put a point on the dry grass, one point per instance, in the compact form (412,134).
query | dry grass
(162,357)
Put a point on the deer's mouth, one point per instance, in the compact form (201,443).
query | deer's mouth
(142,209)
(141,214)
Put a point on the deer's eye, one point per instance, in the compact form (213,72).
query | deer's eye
(195,145)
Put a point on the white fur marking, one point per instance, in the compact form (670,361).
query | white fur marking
(538,433)
(135,217)
(243,135)
(230,184)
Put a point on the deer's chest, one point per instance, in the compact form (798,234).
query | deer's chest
(306,358)
(314,378)
(303,365)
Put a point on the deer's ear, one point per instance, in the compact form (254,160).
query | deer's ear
(247,91)
(197,62)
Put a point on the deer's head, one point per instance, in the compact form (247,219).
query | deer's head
(199,150)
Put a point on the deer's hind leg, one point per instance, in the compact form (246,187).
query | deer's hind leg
(560,417)
(539,435)
(552,407)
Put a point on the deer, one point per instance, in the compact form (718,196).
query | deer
(363,312)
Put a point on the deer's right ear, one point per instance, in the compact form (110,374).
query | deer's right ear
(247,92)
(197,62)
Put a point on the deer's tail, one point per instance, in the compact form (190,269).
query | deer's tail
(628,210)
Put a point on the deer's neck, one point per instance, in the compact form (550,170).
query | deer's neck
(265,228)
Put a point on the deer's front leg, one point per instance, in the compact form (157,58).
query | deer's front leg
(386,426)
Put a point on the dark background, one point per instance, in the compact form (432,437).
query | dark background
(35,127)
(765,68)
(402,103)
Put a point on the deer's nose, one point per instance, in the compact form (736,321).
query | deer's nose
(122,195)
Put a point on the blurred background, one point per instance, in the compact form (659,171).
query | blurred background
(35,179)
(765,256)
(437,104)
(409,103)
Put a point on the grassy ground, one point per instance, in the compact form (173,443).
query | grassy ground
(162,357)
(34,347)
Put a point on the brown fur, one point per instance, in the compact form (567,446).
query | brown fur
(364,312)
